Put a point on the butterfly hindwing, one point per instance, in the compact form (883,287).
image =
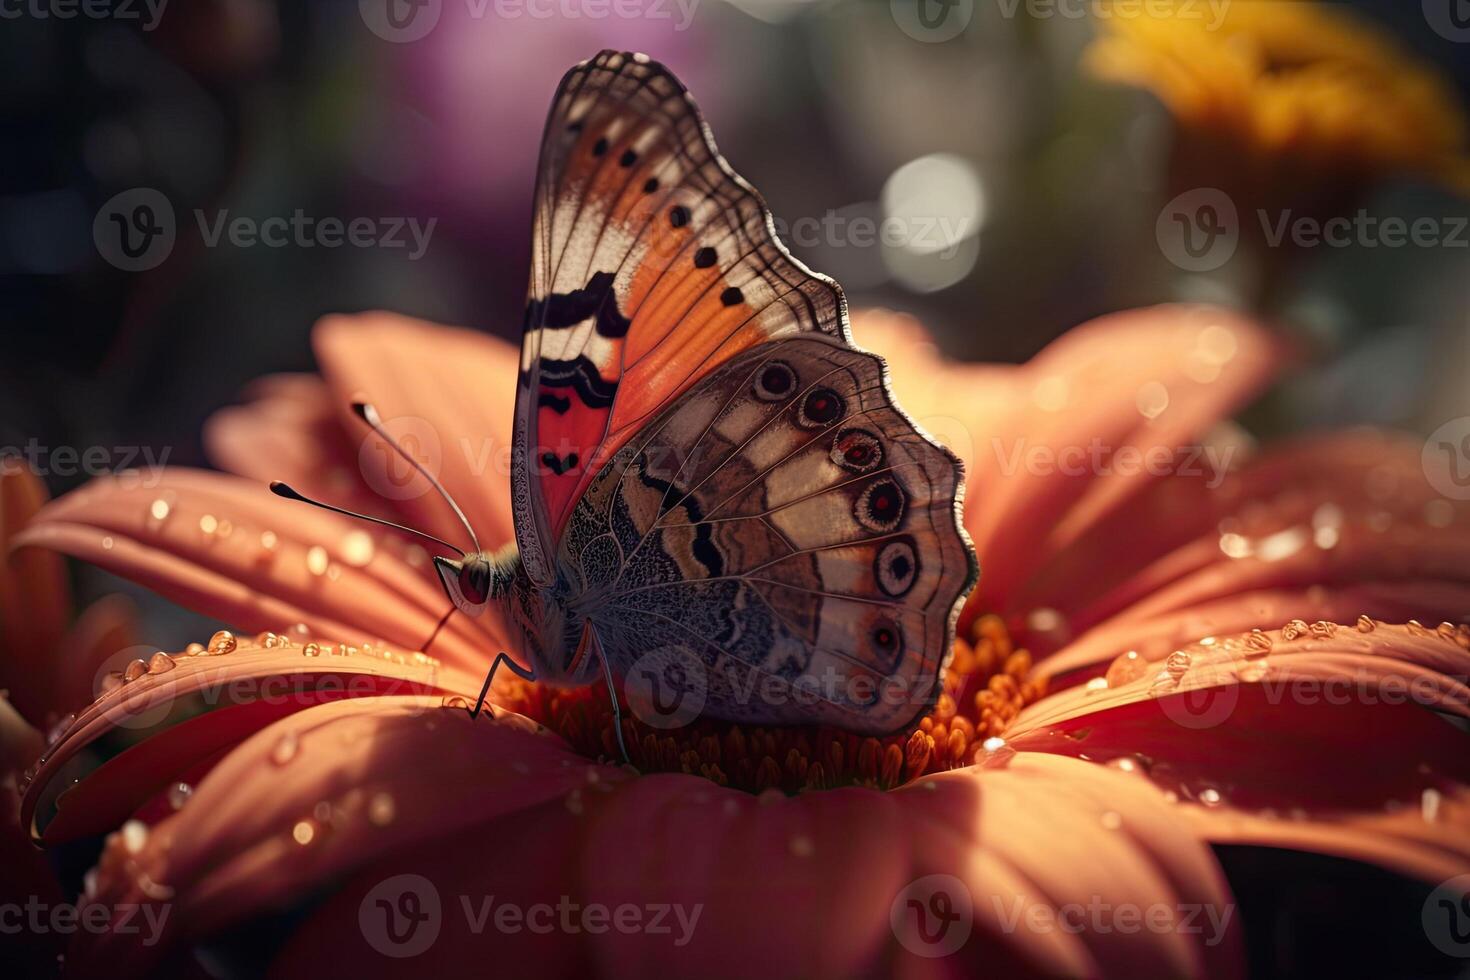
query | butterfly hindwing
(787,529)
(653,263)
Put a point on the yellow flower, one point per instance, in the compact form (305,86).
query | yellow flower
(1288,84)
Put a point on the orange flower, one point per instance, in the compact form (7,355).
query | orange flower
(325,806)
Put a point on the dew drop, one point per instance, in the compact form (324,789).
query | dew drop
(1366,624)
(311,650)
(1429,802)
(160,663)
(222,642)
(1210,796)
(1293,629)
(381,810)
(1096,684)
(1152,399)
(357,548)
(133,835)
(455,701)
(993,744)
(317,560)
(1126,668)
(1178,664)
(285,749)
(178,795)
(135,670)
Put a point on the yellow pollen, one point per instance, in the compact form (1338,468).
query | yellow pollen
(985,687)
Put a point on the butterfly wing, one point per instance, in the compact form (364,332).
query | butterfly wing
(783,532)
(653,263)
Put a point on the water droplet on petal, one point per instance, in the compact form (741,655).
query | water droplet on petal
(993,744)
(317,560)
(304,832)
(133,834)
(381,810)
(1095,684)
(1366,624)
(178,795)
(311,650)
(135,670)
(160,663)
(1126,668)
(222,642)
(357,548)
(1210,796)
(285,749)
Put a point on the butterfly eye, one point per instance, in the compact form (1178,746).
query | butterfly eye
(474,581)
(857,450)
(887,640)
(880,506)
(775,382)
(897,567)
(822,406)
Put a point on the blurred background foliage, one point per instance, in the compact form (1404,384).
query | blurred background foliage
(1051,132)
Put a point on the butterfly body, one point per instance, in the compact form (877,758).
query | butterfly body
(709,479)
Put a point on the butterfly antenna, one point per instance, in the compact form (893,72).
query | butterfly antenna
(282,490)
(370,416)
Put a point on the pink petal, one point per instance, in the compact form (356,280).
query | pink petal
(139,737)
(1293,734)
(1144,381)
(280,562)
(448,395)
(363,779)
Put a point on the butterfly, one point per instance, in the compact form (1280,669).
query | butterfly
(712,486)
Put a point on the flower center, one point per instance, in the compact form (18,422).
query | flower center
(985,686)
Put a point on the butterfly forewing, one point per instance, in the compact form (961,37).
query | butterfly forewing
(652,264)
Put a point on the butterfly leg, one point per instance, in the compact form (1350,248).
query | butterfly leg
(612,693)
(517,669)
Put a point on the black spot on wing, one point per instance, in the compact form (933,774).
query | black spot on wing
(561,310)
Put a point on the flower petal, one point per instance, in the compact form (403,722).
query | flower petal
(365,778)
(178,714)
(35,597)
(1327,726)
(227,548)
(1143,384)
(448,396)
